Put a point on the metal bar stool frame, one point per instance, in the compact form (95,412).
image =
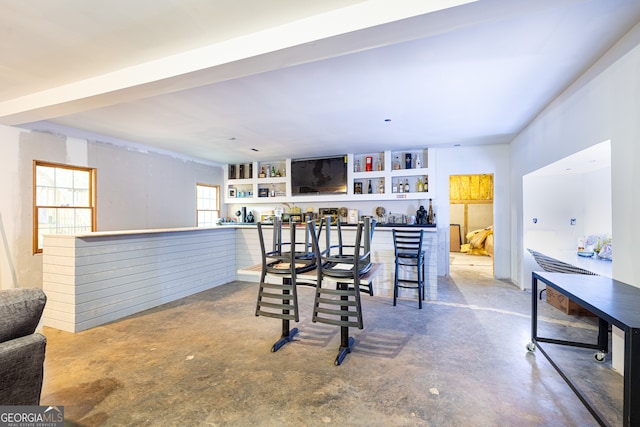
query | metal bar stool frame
(408,249)
(286,260)
(342,306)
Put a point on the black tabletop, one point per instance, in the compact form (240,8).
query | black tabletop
(615,301)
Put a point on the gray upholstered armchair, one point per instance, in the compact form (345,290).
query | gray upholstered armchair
(21,349)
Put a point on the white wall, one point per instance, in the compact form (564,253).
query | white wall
(553,200)
(493,159)
(135,190)
(604,104)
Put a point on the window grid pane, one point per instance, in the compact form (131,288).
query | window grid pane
(63,201)
(207,205)
(62,187)
(63,221)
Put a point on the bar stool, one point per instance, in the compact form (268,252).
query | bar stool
(341,306)
(409,253)
(336,253)
(285,261)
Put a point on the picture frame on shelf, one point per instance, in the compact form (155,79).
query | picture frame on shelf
(232,192)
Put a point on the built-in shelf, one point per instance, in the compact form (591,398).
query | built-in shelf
(259,185)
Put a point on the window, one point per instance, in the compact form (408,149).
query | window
(207,204)
(64,201)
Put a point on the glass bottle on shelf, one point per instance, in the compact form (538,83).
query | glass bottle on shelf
(426,183)
(418,162)
(407,160)
(430,215)
(396,163)
(378,164)
(406,185)
(368,163)
(273,171)
(370,189)
(273,191)
(263,174)
(400,186)
(358,167)
(420,185)
(380,186)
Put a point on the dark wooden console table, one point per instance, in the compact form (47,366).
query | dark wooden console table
(614,303)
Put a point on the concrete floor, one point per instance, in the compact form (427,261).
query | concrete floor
(205,361)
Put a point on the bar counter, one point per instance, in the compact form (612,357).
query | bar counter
(94,278)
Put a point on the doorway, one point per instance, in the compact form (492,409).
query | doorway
(471,222)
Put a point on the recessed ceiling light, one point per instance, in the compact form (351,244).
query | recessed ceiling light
(254,149)
(456,145)
(387,120)
(233,138)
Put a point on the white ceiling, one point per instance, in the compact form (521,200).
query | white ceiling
(294,78)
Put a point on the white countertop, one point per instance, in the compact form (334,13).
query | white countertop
(187,229)
(132,232)
(593,264)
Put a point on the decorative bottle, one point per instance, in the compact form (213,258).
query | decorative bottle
(396,163)
(420,185)
(370,189)
(358,168)
(418,162)
(406,185)
(430,216)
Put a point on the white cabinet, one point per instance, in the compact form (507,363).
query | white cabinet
(270,182)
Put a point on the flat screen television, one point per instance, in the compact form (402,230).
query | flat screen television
(323,175)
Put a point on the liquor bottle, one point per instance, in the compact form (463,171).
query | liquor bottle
(263,174)
(273,171)
(380,186)
(370,189)
(406,185)
(378,164)
(400,187)
(418,162)
(426,183)
(420,185)
(273,190)
(407,160)
(358,168)
(430,216)
(396,163)
(368,163)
